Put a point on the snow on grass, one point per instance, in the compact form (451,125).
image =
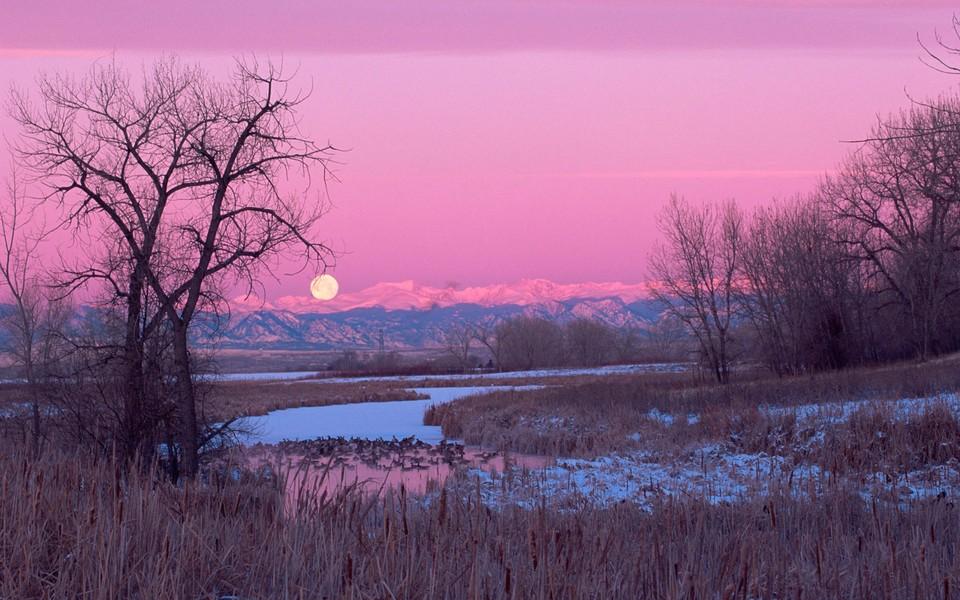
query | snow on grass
(262,376)
(710,473)
(717,473)
(669,419)
(833,413)
(934,481)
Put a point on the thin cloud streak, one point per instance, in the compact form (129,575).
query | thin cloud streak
(365,26)
(698,174)
(24,53)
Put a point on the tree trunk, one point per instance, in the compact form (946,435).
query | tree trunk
(724,359)
(186,403)
(32,387)
(133,366)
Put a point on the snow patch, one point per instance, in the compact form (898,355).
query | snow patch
(834,413)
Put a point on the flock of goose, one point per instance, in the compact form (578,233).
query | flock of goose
(407,454)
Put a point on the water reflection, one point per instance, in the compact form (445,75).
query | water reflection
(332,465)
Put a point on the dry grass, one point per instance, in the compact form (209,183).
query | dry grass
(252,398)
(72,529)
(231,399)
(872,439)
(587,419)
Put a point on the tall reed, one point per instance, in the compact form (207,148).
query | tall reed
(70,528)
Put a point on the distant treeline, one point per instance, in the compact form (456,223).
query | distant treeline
(521,343)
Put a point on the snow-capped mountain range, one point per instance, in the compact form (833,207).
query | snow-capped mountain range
(409,316)
(415,316)
(407,295)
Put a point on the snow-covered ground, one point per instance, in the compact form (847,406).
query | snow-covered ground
(718,473)
(265,376)
(715,472)
(711,473)
(643,478)
(538,373)
(669,419)
(367,420)
(838,412)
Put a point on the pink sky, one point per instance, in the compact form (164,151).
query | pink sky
(492,140)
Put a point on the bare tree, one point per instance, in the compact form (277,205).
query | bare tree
(803,297)
(189,175)
(28,326)
(485,333)
(667,338)
(695,270)
(458,343)
(527,342)
(589,343)
(896,202)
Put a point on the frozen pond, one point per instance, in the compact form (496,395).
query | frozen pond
(367,420)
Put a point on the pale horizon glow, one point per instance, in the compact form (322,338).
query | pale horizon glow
(496,141)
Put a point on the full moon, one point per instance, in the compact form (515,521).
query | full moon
(324,287)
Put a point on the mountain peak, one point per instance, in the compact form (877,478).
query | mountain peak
(407,295)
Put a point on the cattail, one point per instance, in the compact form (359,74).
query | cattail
(403,511)
(348,572)
(442,511)
(532,546)
(818,557)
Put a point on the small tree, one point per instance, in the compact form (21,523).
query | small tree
(458,342)
(695,274)
(33,325)
(485,333)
